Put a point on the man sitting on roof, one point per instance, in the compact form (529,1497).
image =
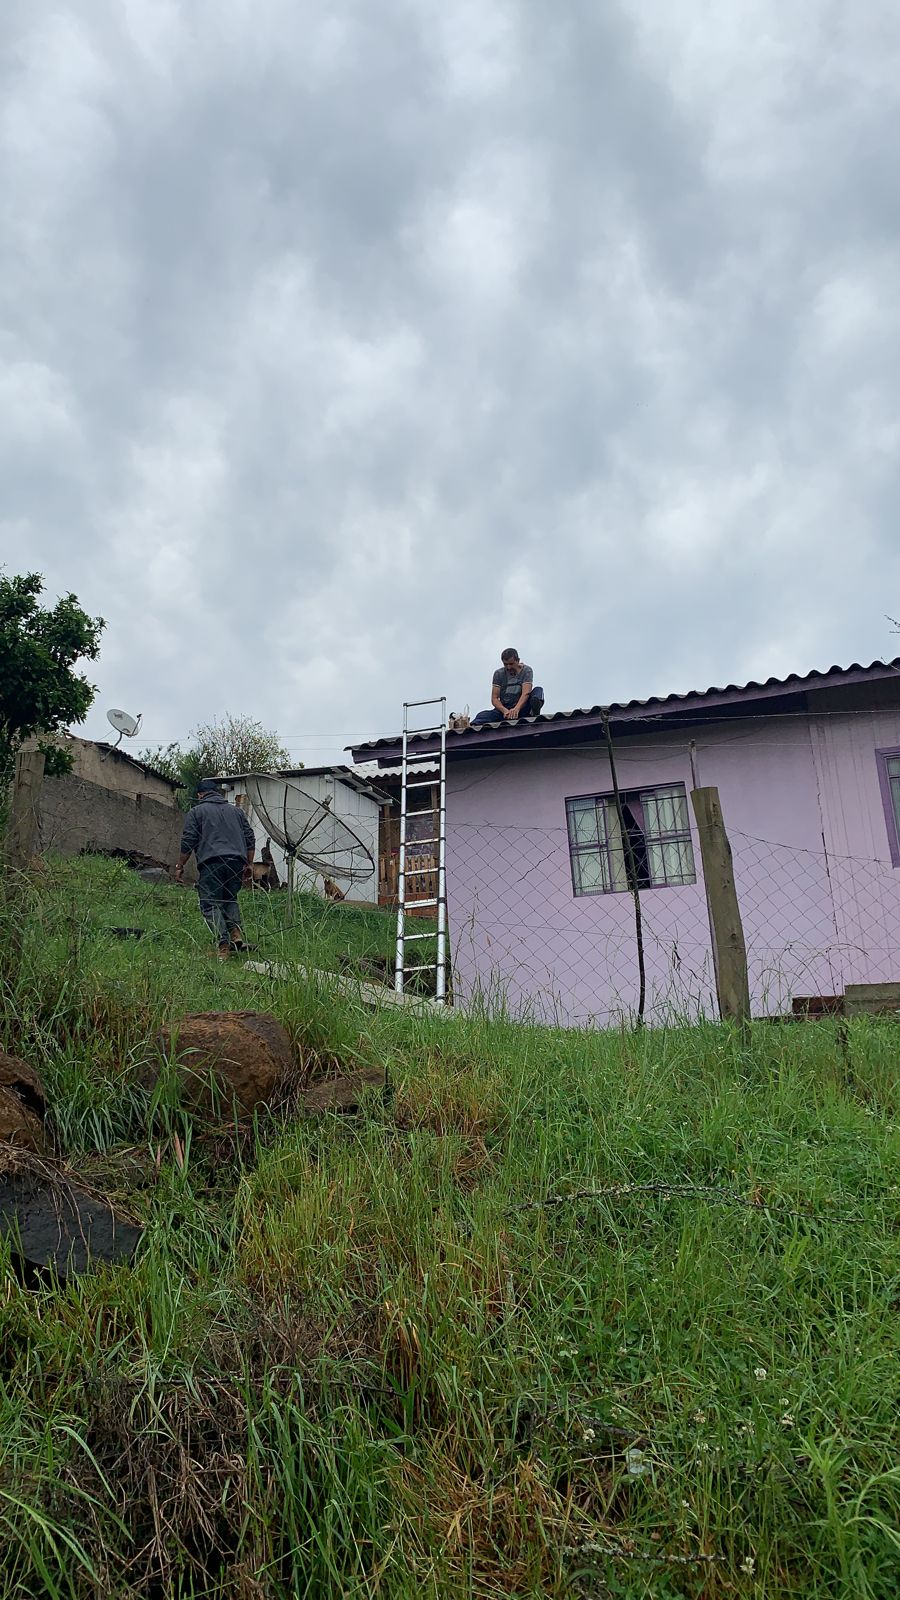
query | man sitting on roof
(513,694)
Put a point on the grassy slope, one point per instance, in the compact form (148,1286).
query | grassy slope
(353,1359)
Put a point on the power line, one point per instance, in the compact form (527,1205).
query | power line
(661,717)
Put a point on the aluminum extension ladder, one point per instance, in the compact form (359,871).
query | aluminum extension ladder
(413,763)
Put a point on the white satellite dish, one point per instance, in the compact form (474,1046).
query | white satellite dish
(125,725)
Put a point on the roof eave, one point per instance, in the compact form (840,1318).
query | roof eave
(340,774)
(694,708)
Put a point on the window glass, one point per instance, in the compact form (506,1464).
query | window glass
(657,853)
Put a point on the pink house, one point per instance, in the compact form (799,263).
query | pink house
(540,905)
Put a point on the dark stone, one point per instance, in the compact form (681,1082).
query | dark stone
(53,1223)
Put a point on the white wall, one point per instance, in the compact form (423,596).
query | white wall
(360,811)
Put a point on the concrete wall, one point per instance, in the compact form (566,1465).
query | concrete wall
(819,897)
(360,812)
(111,769)
(75,815)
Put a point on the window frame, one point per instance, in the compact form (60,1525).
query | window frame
(601,849)
(604,849)
(885,783)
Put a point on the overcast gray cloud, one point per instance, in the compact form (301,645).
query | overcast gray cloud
(341,346)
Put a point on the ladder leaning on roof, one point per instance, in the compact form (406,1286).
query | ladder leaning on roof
(411,764)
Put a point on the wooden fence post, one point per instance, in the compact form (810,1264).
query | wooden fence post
(729,949)
(24,808)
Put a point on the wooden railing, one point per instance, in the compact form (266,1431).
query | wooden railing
(421,885)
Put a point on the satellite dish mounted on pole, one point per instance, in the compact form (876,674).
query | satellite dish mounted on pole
(125,725)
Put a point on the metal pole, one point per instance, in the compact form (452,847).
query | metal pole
(440,986)
(401,875)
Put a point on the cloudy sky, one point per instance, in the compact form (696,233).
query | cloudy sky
(342,344)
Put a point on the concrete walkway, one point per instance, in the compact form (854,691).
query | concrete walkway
(369,994)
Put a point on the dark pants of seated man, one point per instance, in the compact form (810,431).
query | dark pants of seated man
(533,707)
(219,887)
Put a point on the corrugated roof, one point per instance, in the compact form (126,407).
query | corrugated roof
(655,705)
(372,769)
(142,766)
(347,775)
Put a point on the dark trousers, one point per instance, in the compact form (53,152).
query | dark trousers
(218,888)
(533,707)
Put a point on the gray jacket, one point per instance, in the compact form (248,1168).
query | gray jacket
(215,828)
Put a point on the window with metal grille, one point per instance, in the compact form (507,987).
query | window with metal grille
(657,828)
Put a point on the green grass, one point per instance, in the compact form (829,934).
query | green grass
(106,894)
(353,1357)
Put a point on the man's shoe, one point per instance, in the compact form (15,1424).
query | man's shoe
(221,953)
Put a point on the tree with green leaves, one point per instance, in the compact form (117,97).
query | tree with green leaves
(40,648)
(237,744)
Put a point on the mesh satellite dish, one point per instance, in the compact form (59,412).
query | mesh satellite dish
(308,831)
(125,725)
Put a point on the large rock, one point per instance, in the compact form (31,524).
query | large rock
(229,1060)
(22,1104)
(18,1124)
(24,1082)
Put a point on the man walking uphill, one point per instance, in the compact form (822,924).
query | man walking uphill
(222,840)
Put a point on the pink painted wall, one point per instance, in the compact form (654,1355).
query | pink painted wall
(818,911)
(866,886)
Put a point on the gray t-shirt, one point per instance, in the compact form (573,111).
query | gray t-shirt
(511,684)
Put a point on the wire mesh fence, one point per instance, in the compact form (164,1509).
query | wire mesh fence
(527,942)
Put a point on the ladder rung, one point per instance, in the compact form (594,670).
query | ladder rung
(421,904)
(418,872)
(424,783)
(436,700)
(427,967)
(410,936)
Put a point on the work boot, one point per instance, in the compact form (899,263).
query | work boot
(221,953)
(238,942)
